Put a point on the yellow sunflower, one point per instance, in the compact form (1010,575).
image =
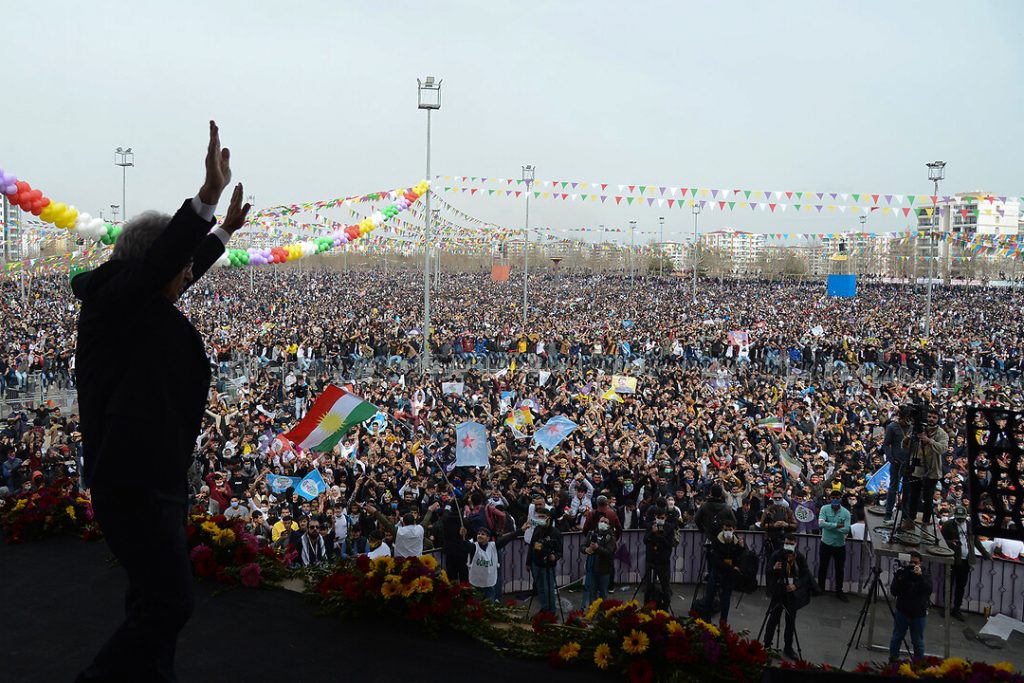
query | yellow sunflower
(384,564)
(210,528)
(907,671)
(428,562)
(225,537)
(442,576)
(1004,666)
(673,627)
(713,630)
(636,642)
(424,584)
(569,651)
(603,656)
(390,589)
(592,610)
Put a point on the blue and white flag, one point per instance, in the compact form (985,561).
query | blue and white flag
(311,486)
(879,481)
(280,484)
(471,446)
(377,424)
(554,431)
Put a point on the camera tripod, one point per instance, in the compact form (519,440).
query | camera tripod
(648,582)
(550,571)
(778,604)
(896,534)
(875,578)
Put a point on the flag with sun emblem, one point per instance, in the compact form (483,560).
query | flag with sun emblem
(471,446)
(332,415)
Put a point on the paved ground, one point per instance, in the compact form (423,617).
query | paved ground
(824,628)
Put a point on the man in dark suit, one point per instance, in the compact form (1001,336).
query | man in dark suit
(143,380)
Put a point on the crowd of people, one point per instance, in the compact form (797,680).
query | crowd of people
(731,385)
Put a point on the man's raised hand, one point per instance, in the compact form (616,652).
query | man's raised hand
(218,169)
(235,217)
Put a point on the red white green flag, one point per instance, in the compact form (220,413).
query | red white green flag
(334,413)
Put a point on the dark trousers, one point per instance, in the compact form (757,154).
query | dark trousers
(775,611)
(919,497)
(146,533)
(837,554)
(662,595)
(961,574)
(455,566)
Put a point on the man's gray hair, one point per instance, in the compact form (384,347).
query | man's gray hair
(138,235)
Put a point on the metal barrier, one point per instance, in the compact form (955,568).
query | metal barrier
(997,584)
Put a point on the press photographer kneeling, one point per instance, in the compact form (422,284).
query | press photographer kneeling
(911,586)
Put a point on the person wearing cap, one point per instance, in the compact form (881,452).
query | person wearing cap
(962,541)
(834,521)
(789,585)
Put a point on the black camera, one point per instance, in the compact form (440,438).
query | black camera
(917,415)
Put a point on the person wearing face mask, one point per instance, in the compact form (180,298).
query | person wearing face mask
(912,588)
(776,521)
(789,584)
(724,563)
(599,550)
(236,510)
(545,550)
(835,522)
(660,543)
(377,546)
(962,541)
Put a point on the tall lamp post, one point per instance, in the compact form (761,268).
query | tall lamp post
(863,222)
(661,249)
(632,229)
(437,259)
(936,172)
(529,173)
(124,158)
(429,98)
(696,212)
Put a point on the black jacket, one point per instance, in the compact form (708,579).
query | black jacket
(660,544)
(912,591)
(546,541)
(778,579)
(143,376)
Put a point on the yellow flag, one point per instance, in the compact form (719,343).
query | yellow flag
(610,395)
(512,366)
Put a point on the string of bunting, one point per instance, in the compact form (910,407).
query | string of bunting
(645,191)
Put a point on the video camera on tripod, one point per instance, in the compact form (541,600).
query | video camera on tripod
(917,415)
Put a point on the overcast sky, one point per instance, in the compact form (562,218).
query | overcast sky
(318,99)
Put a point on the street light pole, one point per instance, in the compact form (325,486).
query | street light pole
(936,172)
(124,158)
(529,172)
(696,212)
(437,257)
(661,249)
(632,227)
(429,98)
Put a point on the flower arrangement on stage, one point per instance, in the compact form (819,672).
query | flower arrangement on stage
(54,510)
(643,644)
(952,669)
(225,551)
(411,588)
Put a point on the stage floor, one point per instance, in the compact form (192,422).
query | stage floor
(62,599)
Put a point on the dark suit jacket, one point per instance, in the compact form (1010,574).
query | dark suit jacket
(143,376)
(952,535)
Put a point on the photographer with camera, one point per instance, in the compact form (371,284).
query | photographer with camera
(897,456)
(545,550)
(789,585)
(599,550)
(660,542)
(724,555)
(912,587)
(927,446)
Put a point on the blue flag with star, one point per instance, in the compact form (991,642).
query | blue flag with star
(471,446)
(553,431)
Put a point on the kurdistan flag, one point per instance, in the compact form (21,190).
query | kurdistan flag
(333,414)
